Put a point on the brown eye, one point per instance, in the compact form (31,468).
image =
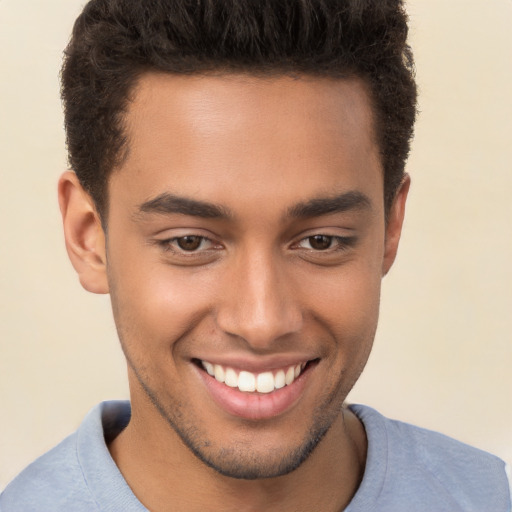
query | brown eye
(190,242)
(320,242)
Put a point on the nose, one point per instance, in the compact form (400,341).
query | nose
(259,303)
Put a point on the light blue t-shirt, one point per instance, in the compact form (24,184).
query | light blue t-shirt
(407,469)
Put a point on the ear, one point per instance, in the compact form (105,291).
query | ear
(85,239)
(394,224)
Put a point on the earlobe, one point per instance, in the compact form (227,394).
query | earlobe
(394,224)
(83,232)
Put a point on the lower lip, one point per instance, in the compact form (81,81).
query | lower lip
(255,406)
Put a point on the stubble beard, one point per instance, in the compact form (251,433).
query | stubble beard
(239,461)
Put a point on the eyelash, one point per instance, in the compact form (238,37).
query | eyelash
(171,243)
(342,243)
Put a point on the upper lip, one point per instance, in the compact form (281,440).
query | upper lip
(259,364)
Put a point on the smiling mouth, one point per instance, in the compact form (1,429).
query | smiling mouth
(250,382)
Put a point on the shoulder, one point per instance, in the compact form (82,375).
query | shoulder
(415,464)
(75,475)
(50,482)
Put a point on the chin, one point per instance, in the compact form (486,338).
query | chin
(246,463)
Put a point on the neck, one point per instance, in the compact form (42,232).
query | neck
(162,471)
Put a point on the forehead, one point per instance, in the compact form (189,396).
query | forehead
(202,135)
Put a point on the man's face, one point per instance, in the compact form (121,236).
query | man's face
(246,237)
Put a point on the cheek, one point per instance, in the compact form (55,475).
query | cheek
(350,294)
(346,303)
(155,305)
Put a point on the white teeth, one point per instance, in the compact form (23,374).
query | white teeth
(219,373)
(279,380)
(290,375)
(265,382)
(209,368)
(231,378)
(245,381)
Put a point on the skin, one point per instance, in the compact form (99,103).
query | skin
(256,290)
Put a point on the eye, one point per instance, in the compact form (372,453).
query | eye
(326,242)
(325,249)
(189,250)
(318,242)
(187,244)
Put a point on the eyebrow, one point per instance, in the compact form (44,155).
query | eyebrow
(168,204)
(316,207)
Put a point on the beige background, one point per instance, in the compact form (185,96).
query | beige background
(443,351)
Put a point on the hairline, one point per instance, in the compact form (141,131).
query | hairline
(226,72)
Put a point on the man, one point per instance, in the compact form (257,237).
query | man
(239,190)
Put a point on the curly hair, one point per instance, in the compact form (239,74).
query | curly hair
(115,41)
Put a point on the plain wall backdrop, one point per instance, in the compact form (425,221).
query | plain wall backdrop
(443,352)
